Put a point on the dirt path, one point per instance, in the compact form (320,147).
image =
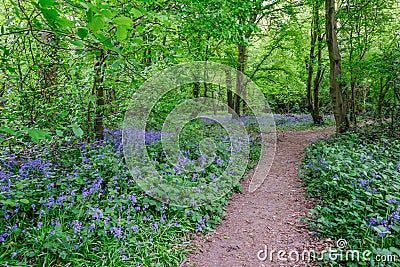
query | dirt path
(270,216)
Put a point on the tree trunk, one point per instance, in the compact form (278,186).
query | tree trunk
(310,66)
(229,90)
(205,69)
(353,117)
(318,78)
(383,89)
(3,88)
(313,87)
(239,79)
(196,89)
(365,93)
(352,82)
(196,95)
(213,103)
(99,62)
(205,89)
(335,90)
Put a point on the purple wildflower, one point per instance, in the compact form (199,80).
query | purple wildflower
(76,225)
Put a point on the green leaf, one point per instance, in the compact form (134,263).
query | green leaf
(19,185)
(117,50)
(36,134)
(31,254)
(97,23)
(396,228)
(82,32)
(104,39)
(125,21)
(107,13)
(19,133)
(90,15)
(63,255)
(65,22)
(77,130)
(138,41)
(47,3)
(37,23)
(49,14)
(116,63)
(76,42)
(395,250)
(48,245)
(10,203)
(7,130)
(92,98)
(136,12)
(25,201)
(59,133)
(122,33)
(139,29)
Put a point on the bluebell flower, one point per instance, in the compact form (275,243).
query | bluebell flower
(76,225)
(372,221)
(92,227)
(219,161)
(117,231)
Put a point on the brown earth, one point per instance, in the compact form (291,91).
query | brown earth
(270,216)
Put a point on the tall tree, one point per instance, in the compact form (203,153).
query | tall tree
(335,89)
(317,38)
(362,23)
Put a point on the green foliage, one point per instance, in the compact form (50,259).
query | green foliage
(84,208)
(357,183)
(56,55)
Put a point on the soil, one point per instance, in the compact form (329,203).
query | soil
(269,217)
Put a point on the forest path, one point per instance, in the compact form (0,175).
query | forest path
(270,216)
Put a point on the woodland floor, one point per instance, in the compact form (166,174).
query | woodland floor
(270,216)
